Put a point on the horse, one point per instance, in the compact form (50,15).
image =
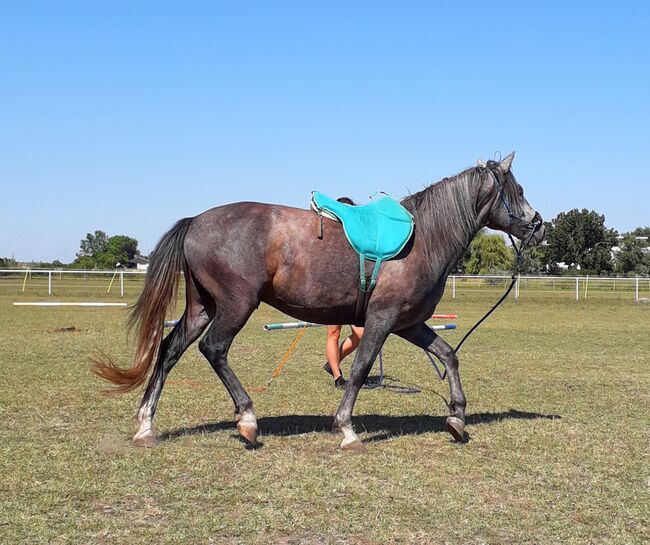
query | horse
(236,256)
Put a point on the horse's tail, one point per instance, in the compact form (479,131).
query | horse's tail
(147,316)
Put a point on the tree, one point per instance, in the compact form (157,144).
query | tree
(93,245)
(98,250)
(488,254)
(634,256)
(119,249)
(580,238)
(532,261)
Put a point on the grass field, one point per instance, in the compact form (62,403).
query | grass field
(558,418)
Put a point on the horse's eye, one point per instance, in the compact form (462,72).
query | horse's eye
(520,192)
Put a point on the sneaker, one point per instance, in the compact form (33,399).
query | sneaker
(340,382)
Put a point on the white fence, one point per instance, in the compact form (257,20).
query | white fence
(128,283)
(577,287)
(65,281)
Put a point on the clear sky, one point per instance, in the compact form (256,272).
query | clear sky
(127,116)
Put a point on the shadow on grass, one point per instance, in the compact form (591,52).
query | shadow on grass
(381,427)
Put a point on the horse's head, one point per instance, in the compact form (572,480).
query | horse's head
(507,208)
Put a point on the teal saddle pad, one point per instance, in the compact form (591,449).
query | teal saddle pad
(377,231)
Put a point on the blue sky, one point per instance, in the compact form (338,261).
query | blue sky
(125,117)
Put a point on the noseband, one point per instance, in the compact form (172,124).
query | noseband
(529,227)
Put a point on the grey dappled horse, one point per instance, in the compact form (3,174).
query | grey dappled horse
(237,255)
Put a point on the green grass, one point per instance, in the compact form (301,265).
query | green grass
(558,415)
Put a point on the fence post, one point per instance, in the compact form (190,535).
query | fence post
(636,290)
(49,282)
(577,289)
(517,286)
(453,287)
(121,283)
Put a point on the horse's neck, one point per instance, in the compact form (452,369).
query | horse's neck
(449,238)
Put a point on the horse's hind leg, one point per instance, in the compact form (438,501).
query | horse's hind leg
(215,345)
(196,317)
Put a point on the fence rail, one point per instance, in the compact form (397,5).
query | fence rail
(122,283)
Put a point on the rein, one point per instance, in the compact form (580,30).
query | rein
(534,226)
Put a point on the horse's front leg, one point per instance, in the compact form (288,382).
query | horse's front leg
(373,338)
(423,336)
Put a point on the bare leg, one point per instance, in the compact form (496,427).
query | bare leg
(375,334)
(421,335)
(171,349)
(350,343)
(332,349)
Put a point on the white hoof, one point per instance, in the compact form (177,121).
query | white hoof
(353,444)
(144,439)
(247,427)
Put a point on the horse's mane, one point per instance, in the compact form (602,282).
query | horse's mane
(448,208)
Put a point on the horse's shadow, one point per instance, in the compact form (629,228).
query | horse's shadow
(380,427)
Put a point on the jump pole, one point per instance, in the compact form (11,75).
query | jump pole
(300,325)
(290,325)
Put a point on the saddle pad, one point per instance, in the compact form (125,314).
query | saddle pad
(377,231)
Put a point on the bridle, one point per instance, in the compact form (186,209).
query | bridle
(531,227)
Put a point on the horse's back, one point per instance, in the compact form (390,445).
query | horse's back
(275,252)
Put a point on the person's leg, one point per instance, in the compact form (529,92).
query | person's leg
(332,349)
(350,343)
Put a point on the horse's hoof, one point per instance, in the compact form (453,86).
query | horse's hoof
(456,427)
(146,439)
(354,445)
(248,431)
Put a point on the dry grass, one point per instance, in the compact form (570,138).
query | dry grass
(558,417)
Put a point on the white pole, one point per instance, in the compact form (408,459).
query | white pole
(577,289)
(586,285)
(49,282)
(453,287)
(121,283)
(60,304)
(636,290)
(517,286)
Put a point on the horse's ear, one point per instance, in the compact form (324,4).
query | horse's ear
(506,162)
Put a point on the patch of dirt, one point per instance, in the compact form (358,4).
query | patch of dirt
(65,329)
(114,444)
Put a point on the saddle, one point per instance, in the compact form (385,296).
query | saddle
(377,231)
